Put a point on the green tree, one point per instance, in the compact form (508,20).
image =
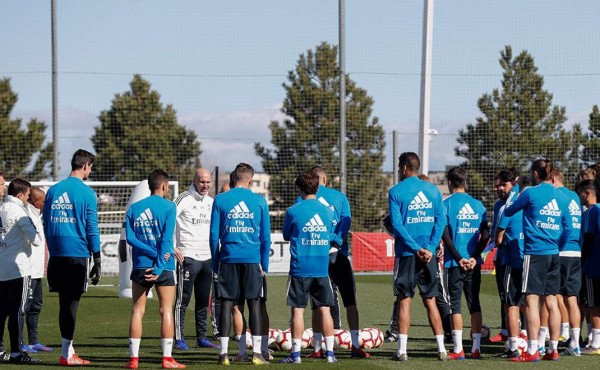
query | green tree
(591,152)
(139,134)
(310,135)
(24,152)
(518,125)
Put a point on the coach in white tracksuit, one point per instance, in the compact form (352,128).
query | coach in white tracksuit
(194,264)
(17,236)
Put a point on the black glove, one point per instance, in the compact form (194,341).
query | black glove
(96,270)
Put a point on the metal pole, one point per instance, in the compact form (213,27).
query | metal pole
(342,48)
(396,156)
(55,167)
(424,112)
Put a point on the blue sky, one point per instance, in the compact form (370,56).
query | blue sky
(221,63)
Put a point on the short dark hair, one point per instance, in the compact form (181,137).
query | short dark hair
(507,174)
(558,175)
(308,182)
(157,178)
(81,158)
(586,185)
(18,186)
(410,160)
(457,176)
(319,170)
(543,167)
(243,171)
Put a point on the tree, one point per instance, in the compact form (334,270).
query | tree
(138,134)
(24,152)
(591,153)
(518,125)
(310,135)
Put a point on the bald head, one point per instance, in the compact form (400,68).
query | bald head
(202,180)
(36,198)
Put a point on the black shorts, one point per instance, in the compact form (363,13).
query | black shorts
(570,276)
(166,278)
(340,272)
(68,274)
(541,274)
(460,281)
(592,287)
(318,289)
(263,290)
(410,272)
(513,285)
(239,281)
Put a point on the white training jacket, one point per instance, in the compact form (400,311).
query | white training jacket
(193,224)
(17,237)
(38,256)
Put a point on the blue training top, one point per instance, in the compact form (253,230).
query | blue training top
(417,215)
(309,227)
(543,219)
(464,216)
(71,219)
(513,239)
(569,243)
(150,226)
(240,222)
(592,226)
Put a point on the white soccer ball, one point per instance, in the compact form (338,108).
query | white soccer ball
(343,339)
(366,339)
(284,340)
(273,333)
(521,345)
(378,337)
(307,337)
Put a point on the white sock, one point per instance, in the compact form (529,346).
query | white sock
(533,346)
(440,342)
(134,347)
(296,345)
(575,333)
(553,346)
(264,344)
(242,345)
(542,335)
(167,347)
(67,346)
(476,342)
(256,343)
(596,340)
(317,341)
(512,343)
(457,340)
(355,338)
(329,343)
(402,344)
(224,342)
(564,329)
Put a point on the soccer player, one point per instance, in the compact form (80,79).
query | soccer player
(150,226)
(418,220)
(192,252)
(34,207)
(17,236)
(240,243)
(71,227)
(340,268)
(570,265)
(465,237)
(309,227)
(544,222)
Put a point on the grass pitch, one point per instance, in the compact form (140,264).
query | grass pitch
(103,320)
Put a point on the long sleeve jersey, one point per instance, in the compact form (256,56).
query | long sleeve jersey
(417,216)
(569,242)
(464,216)
(240,229)
(71,219)
(17,236)
(513,239)
(193,224)
(150,226)
(37,257)
(591,225)
(544,220)
(309,227)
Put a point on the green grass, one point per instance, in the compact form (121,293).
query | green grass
(103,320)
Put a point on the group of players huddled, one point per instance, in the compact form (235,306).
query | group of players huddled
(547,260)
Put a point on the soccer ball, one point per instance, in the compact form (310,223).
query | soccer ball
(273,333)
(521,345)
(343,339)
(307,336)
(377,337)
(366,338)
(284,340)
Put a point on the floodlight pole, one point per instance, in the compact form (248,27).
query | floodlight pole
(342,51)
(425,106)
(396,156)
(55,167)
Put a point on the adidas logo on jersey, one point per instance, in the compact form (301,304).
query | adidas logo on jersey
(326,203)
(62,202)
(574,209)
(551,209)
(240,211)
(145,219)
(467,213)
(420,202)
(315,225)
